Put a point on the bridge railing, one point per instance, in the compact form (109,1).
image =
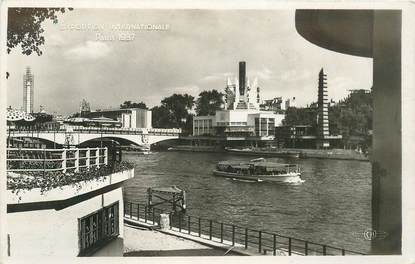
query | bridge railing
(103,130)
(64,160)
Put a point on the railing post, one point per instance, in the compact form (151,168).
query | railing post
(44,161)
(64,160)
(343,252)
(131,211)
(106,156)
(324,250)
(145,213)
(221,232)
(274,245)
(97,158)
(87,158)
(153,216)
(188,224)
(259,241)
(246,238)
(210,229)
(233,235)
(199,227)
(77,160)
(138,211)
(171,221)
(289,246)
(180,223)
(306,248)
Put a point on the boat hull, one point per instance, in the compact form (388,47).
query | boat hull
(284,178)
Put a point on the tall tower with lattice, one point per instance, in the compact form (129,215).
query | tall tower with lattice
(322,112)
(28,91)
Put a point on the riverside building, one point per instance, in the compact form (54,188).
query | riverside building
(80,214)
(242,118)
(125,118)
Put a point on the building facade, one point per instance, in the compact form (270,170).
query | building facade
(28,91)
(242,117)
(79,218)
(129,118)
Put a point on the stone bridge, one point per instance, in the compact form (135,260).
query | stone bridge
(78,135)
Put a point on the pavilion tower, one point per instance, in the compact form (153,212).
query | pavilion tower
(322,112)
(28,91)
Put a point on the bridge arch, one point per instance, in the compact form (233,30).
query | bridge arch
(119,140)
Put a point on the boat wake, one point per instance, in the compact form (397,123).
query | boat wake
(241,180)
(293,182)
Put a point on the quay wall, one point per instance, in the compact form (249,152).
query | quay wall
(342,154)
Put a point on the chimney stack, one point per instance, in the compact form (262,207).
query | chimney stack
(242,78)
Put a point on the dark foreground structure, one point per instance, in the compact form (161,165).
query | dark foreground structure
(375,34)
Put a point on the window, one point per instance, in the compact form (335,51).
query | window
(97,228)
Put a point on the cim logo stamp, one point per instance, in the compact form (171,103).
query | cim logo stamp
(371,234)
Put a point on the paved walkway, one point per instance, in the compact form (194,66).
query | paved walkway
(144,242)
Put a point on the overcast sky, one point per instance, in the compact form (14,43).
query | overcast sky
(196,53)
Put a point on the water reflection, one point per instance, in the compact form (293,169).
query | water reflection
(329,207)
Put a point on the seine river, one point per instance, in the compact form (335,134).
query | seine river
(332,206)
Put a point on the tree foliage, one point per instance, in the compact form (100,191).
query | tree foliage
(301,116)
(174,112)
(353,115)
(161,117)
(129,104)
(24,27)
(208,102)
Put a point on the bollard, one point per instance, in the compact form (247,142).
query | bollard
(221,232)
(246,238)
(164,221)
(259,241)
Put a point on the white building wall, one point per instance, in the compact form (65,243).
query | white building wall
(133,119)
(45,233)
(203,125)
(126,120)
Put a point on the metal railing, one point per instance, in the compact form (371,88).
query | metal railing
(142,212)
(233,235)
(74,159)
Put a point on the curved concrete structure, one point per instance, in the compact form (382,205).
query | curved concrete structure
(376,34)
(345,31)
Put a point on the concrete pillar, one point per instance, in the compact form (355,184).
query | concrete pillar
(386,159)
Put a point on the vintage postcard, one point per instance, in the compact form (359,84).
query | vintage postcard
(269,130)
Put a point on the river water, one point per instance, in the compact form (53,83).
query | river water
(332,206)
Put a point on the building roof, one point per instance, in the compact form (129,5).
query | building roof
(16,115)
(103,119)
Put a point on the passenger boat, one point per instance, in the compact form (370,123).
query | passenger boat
(259,170)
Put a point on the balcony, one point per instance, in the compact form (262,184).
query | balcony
(41,175)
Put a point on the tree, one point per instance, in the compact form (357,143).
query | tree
(208,102)
(129,104)
(24,28)
(174,112)
(353,115)
(301,116)
(161,117)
